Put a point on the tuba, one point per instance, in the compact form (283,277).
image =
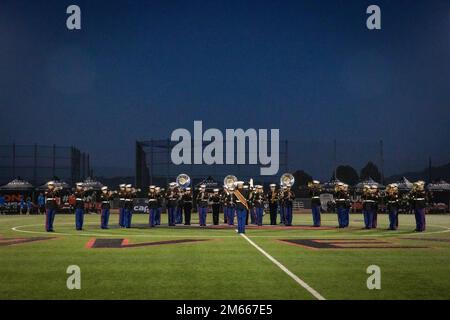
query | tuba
(183,181)
(287,180)
(229,181)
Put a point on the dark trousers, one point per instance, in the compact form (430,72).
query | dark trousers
(288,215)
(259,215)
(241,217)
(122,217)
(79,218)
(152,216)
(202,211)
(171,215)
(273,213)
(282,214)
(393,219)
(419,214)
(215,213)
(158,216)
(230,214)
(49,218)
(343,216)
(179,215)
(316,215)
(374,218)
(368,218)
(128,215)
(104,219)
(253,215)
(187,215)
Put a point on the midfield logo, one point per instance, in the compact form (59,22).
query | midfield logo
(213,153)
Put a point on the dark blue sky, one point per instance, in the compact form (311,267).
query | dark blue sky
(140,69)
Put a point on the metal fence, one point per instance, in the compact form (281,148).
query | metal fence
(154,165)
(40,163)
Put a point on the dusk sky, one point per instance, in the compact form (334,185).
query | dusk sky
(140,69)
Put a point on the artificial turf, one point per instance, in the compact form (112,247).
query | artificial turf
(224,265)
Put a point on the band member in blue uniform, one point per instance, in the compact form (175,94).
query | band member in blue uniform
(105,198)
(418,198)
(179,210)
(159,192)
(215,206)
(272,198)
(50,205)
(122,194)
(368,202)
(342,209)
(258,202)
(79,194)
(172,203)
(251,206)
(376,198)
(202,204)
(281,204)
(288,201)
(315,190)
(241,205)
(230,201)
(187,205)
(223,194)
(392,201)
(152,205)
(130,194)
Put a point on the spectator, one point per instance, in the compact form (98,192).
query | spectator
(2,204)
(41,203)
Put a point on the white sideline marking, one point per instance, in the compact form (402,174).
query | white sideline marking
(317,295)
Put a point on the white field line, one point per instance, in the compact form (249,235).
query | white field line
(317,295)
(125,233)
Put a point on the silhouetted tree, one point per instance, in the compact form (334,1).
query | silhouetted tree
(301,178)
(346,174)
(370,171)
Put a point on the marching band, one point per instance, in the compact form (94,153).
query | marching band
(241,201)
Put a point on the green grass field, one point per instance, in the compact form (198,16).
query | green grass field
(225,265)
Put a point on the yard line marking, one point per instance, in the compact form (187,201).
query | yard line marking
(317,295)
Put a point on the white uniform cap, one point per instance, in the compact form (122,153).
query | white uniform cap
(51,183)
(172,184)
(122,185)
(216,190)
(203,186)
(188,189)
(105,188)
(128,186)
(240,183)
(273,185)
(259,186)
(316,181)
(151,187)
(79,184)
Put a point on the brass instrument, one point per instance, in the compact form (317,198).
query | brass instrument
(183,181)
(230,181)
(287,180)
